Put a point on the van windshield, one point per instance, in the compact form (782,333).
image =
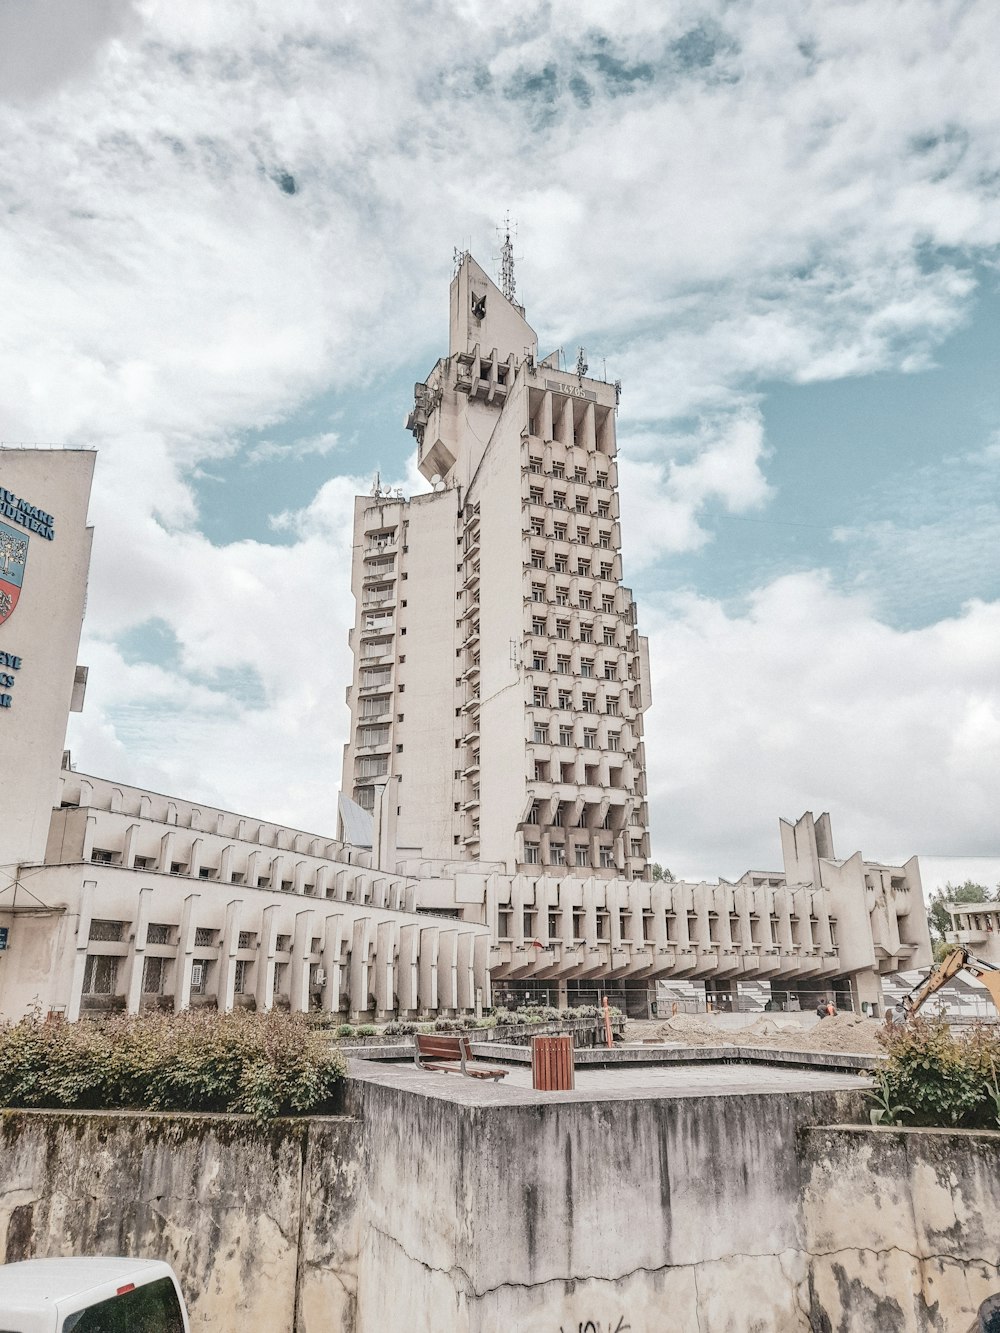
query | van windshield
(149,1309)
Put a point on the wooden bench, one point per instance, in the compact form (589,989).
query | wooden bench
(451,1055)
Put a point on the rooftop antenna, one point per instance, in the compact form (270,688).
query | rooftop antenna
(581,363)
(508,284)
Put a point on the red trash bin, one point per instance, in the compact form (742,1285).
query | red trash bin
(552,1064)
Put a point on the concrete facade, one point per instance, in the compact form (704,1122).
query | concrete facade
(977,927)
(145,900)
(498,671)
(44,560)
(820,922)
(439,1206)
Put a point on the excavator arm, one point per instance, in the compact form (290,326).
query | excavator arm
(957,961)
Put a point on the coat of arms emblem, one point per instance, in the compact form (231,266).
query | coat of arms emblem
(13,556)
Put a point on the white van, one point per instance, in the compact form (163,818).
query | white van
(90,1296)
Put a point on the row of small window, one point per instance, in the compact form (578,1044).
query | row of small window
(560,533)
(541,735)
(564,699)
(505,924)
(102,856)
(545,770)
(539,627)
(581,503)
(100,975)
(557,855)
(763,931)
(558,817)
(585,598)
(564,666)
(558,471)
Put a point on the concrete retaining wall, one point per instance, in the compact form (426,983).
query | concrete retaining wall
(482,1209)
(257,1224)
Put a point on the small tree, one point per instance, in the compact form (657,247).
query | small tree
(938,917)
(662,873)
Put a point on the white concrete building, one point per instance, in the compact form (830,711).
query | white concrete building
(498,672)
(496,741)
(820,925)
(44,559)
(977,927)
(147,900)
(112,897)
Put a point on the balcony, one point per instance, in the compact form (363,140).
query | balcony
(969,936)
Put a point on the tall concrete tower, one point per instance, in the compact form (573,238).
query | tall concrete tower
(498,672)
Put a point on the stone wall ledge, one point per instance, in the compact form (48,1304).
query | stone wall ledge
(645,1056)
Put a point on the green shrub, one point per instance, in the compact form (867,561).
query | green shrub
(261,1065)
(366,1030)
(345,1030)
(935,1078)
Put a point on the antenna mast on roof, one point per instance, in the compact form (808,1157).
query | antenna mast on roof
(507,283)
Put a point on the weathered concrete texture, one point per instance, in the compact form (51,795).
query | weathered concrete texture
(444,1206)
(903,1227)
(551,1214)
(220,1200)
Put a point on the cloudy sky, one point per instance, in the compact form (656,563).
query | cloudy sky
(227,237)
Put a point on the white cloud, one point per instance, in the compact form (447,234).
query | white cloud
(807,701)
(662,500)
(270,451)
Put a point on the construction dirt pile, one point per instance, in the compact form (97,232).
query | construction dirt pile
(842,1033)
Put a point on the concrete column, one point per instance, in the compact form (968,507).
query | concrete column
(264,988)
(866,987)
(137,952)
(226,864)
(166,852)
(407,970)
(384,830)
(544,423)
(128,846)
(680,895)
(185,954)
(448,970)
(385,969)
(465,971)
(194,861)
(481,969)
(333,985)
(89,829)
(115,805)
(299,877)
(225,992)
(359,965)
(80,951)
(429,940)
(589,432)
(298,990)
(145,806)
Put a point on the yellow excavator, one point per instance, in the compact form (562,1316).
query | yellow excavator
(959,960)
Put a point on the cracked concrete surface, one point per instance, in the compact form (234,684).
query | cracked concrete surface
(442,1205)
